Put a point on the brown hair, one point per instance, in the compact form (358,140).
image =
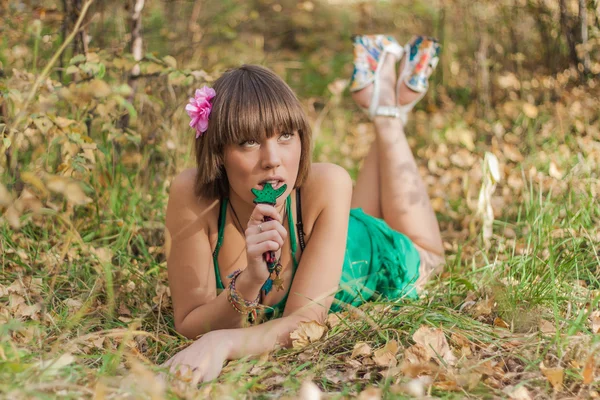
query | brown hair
(251,103)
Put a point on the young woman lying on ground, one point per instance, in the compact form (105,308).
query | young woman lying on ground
(332,245)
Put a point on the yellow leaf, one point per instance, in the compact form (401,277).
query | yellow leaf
(53,366)
(512,152)
(62,122)
(98,88)
(386,356)
(461,135)
(530,110)
(435,343)
(588,370)
(170,61)
(6,197)
(554,171)
(306,333)
(554,375)
(547,327)
(595,322)
(361,349)
(43,124)
(72,69)
(12,215)
(500,323)
(56,184)
(75,194)
(371,393)
(520,393)
(34,181)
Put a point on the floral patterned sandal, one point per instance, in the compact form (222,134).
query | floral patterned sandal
(369,53)
(422,56)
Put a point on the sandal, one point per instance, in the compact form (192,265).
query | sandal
(369,53)
(421,57)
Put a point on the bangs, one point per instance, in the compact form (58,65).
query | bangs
(251,103)
(254,107)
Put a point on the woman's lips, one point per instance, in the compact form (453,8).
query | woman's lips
(275,185)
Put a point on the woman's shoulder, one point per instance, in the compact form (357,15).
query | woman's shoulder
(326,181)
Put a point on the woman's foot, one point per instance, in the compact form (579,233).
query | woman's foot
(387,78)
(421,54)
(388,94)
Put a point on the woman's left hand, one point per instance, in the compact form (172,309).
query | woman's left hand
(203,359)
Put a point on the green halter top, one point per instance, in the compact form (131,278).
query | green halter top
(275,310)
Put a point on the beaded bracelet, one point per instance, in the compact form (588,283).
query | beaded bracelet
(237,301)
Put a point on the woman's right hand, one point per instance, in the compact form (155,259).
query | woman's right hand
(262,237)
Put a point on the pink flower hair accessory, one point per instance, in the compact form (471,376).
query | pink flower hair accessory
(199,109)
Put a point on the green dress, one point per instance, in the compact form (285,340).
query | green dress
(378,261)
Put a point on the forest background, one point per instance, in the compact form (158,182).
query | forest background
(93,130)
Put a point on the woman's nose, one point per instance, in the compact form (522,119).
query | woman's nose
(270,155)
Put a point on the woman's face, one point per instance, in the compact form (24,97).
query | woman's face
(250,164)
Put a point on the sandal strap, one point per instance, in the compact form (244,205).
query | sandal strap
(388,111)
(393,50)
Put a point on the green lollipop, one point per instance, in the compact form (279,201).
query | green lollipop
(268,195)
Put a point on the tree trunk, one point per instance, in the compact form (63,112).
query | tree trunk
(81,41)
(136,36)
(484,73)
(584,36)
(568,32)
(193,25)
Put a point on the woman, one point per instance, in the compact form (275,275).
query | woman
(251,131)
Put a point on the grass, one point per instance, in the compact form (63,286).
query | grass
(100,285)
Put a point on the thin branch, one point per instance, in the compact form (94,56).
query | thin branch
(52,61)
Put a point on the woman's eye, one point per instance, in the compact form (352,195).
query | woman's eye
(287,136)
(248,143)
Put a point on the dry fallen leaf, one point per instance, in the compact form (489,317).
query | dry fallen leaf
(386,356)
(519,393)
(554,171)
(416,362)
(435,343)
(530,110)
(500,323)
(416,387)
(547,326)
(54,365)
(371,393)
(462,343)
(595,321)
(306,333)
(512,152)
(588,370)
(554,375)
(361,349)
(309,391)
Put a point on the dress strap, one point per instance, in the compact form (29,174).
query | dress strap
(299,225)
(288,209)
(222,218)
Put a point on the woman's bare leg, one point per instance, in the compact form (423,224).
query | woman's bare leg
(390,175)
(366,192)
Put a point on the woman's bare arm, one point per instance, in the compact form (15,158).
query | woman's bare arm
(319,272)
(197,308)
(318,275)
